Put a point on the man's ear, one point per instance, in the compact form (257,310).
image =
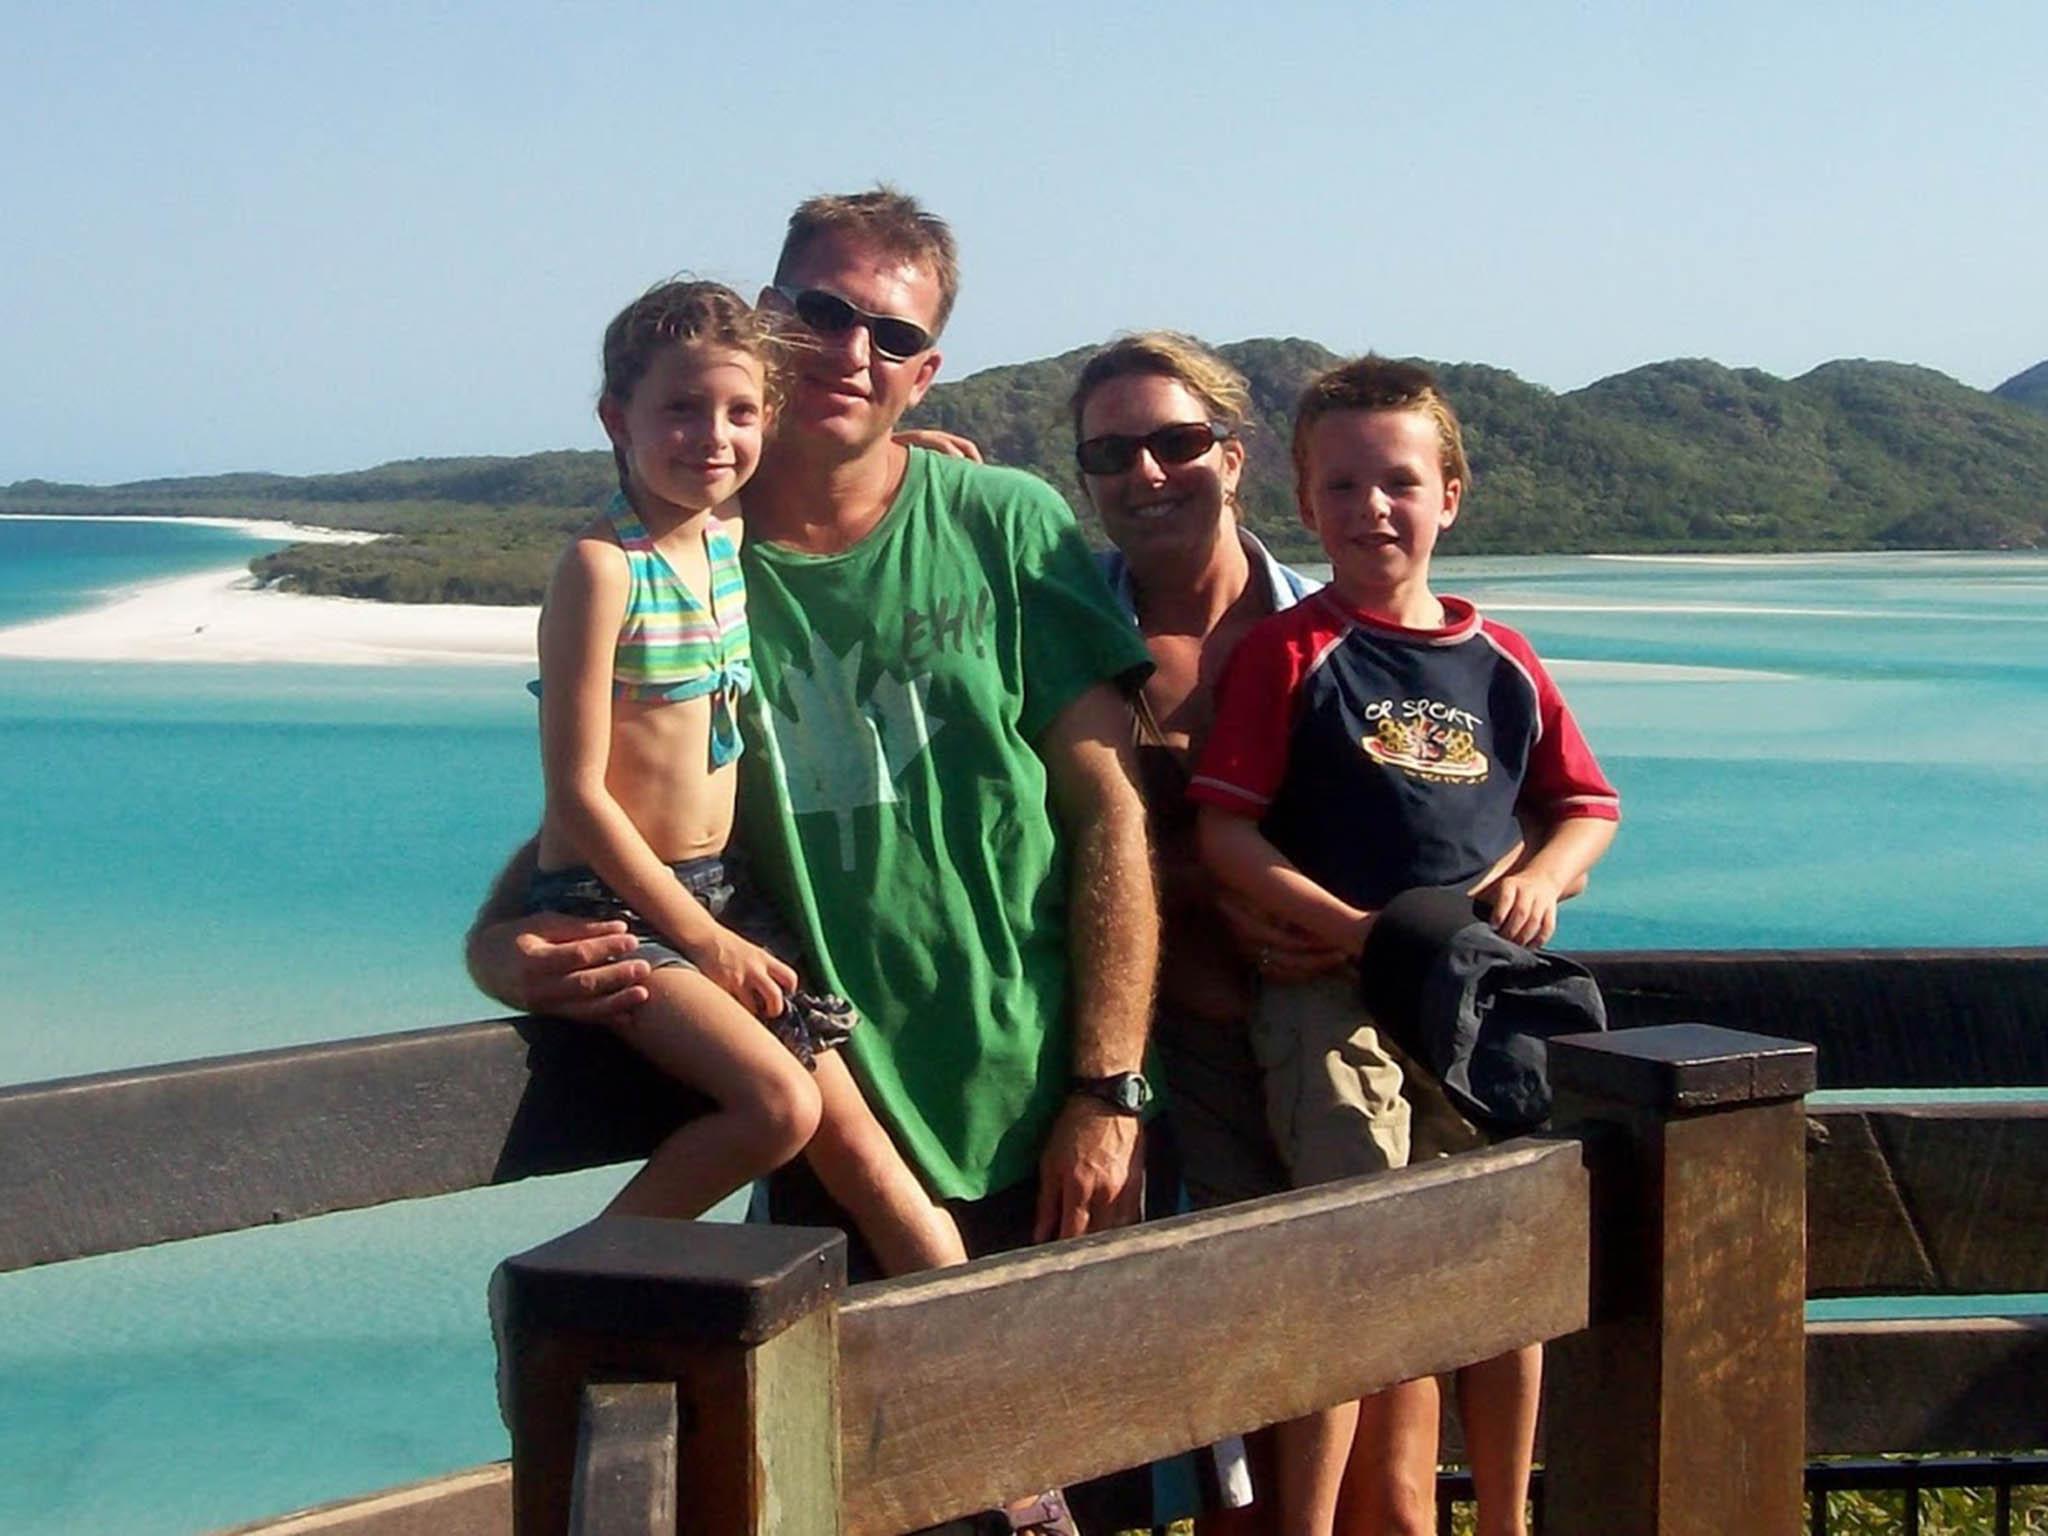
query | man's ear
(1454,494)
(926,372)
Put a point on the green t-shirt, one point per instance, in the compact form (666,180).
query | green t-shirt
(895,808)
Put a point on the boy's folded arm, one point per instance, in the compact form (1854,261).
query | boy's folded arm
(1241,857)
(1568,852)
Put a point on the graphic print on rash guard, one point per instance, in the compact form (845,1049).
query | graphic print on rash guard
(1379,758)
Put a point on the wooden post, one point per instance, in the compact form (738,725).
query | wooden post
(743,1319)
(1682,1410)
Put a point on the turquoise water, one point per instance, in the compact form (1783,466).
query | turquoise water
(1841,751)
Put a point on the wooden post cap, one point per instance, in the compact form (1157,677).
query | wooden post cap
(1681,1068)
(695,1281)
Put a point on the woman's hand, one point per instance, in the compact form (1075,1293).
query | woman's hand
(750,973)
(1280,950)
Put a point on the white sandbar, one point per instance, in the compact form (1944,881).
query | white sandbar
(223,616)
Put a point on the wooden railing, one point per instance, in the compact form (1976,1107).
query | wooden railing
(1168,1334)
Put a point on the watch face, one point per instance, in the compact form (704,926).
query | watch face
(1130,1093)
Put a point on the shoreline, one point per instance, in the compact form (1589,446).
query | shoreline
(255,527)
(223,616)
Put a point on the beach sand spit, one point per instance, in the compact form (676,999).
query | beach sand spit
(223,616)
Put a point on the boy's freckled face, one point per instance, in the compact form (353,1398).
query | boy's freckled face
(1377,498)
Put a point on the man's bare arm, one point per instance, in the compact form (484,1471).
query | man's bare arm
(571,967)
(1091,1174)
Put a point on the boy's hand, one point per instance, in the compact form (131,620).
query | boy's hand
(1525,907)
(746,970)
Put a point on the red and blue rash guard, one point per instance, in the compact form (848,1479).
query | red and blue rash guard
(1379,758)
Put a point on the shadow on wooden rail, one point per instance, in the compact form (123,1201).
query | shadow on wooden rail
(1922,1196)
(1662,1232)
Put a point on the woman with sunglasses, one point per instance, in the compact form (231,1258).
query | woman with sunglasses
(1159,421)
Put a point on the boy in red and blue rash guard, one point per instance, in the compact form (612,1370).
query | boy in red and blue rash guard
(1372,739)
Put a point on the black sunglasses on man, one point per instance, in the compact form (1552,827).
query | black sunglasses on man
(830,315)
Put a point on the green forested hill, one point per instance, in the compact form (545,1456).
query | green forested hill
(1685,454)
(2029,388)
(1677,455)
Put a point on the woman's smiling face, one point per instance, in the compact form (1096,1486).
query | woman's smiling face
(1154,510)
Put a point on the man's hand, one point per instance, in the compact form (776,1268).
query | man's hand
(570,967)
(1280,950)
(1092,1174)
(949,444)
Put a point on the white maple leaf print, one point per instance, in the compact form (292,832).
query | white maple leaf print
(836,752)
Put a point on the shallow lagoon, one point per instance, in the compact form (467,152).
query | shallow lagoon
(1812,751)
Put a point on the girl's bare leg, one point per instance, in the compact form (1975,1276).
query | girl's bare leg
(1497,1400)
(861,1169)
(1390,1483)
(699,1034)
(1310,1454)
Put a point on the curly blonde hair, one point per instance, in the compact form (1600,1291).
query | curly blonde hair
(677,313)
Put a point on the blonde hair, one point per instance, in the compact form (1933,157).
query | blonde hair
(892,221)
(1374,383)
(1168,355)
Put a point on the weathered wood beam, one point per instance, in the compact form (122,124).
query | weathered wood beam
(1927,1385)
(740,1320)
(1680,1411)
(1883,1018)
(625,1479)
(126,1159)
(1927,1196)
(963,1388)
(474,1502)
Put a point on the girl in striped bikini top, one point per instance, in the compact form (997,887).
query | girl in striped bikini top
(643,661)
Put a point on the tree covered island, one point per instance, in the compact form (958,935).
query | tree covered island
(1680,456)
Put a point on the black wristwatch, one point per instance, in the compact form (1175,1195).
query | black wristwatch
(1125,1092)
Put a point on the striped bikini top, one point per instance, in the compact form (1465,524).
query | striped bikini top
(672,646)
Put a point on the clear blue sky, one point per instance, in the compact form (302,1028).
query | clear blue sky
(306,237)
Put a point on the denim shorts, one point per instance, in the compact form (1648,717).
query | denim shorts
(812,1021)
(720,885)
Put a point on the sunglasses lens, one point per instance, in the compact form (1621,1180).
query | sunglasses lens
(825,313)
(1106,455)
(1177,445)
(1113,453)
(896,338)
(830,315)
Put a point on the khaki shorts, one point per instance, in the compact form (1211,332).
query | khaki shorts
(1341,1099)
(1333,1091)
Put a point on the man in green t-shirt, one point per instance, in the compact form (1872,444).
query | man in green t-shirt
(939,786)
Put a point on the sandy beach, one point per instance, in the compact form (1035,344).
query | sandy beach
(223,616)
